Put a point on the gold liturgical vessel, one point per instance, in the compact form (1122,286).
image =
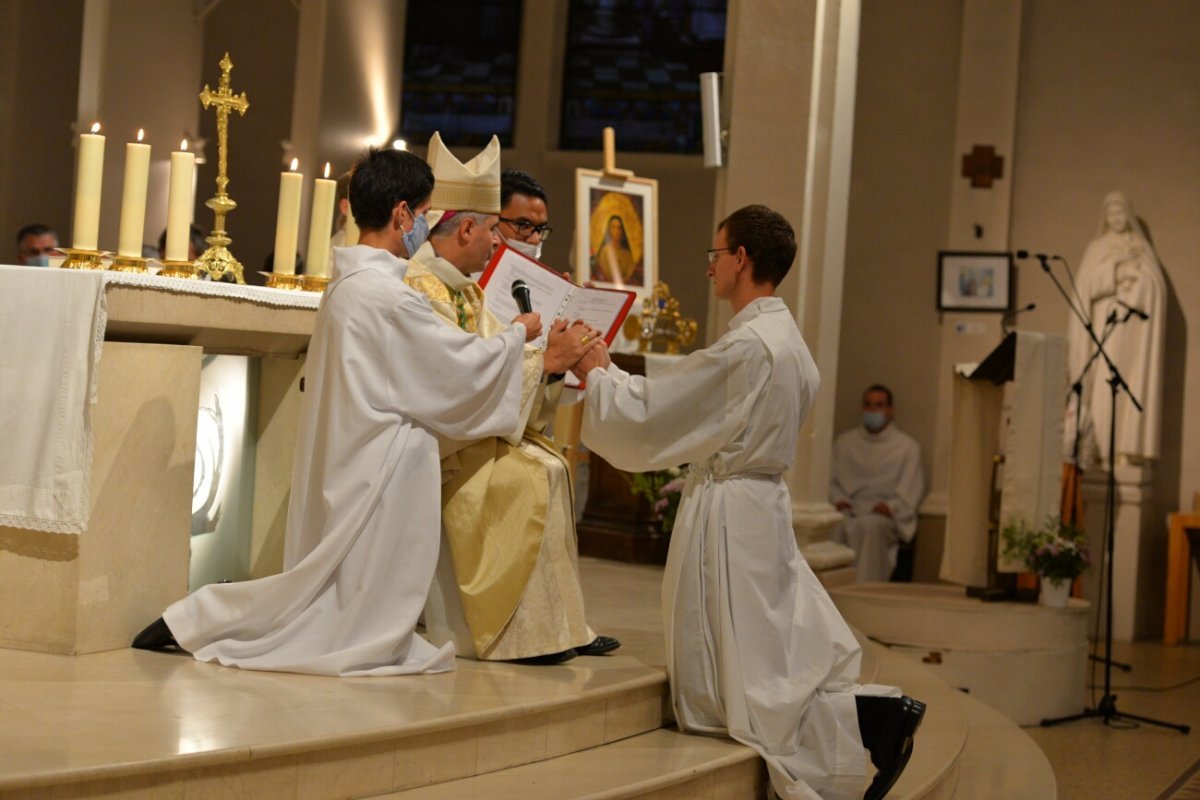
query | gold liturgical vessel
(217,262)
(660,323)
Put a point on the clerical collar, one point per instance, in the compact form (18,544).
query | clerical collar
(446,272)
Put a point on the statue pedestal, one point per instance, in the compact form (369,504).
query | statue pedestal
(1138,555)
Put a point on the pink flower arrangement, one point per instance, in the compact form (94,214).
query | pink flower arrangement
(663,489)
(1057,551)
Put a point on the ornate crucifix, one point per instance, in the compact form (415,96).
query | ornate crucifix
(217,261)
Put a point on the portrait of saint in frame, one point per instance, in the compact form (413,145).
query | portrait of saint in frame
(616,231)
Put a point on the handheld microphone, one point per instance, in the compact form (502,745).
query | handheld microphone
(1137,312)
(520,293)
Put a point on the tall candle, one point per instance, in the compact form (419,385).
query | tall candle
(133,199)
(179,206)
(287,222)
(324,193)
(87,190)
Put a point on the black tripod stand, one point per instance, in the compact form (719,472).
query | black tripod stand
(1110,325)
(1106,709)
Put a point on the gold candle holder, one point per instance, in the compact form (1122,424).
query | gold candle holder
(179,269)
(82,259)
(128,264)
(315,283)
(283,280)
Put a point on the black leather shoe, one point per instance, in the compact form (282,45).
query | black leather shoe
(156,636)
(598,646)
(888,726)
(548,660)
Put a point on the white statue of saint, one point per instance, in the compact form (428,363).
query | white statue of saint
(1119,278)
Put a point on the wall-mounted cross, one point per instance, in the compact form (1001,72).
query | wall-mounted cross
(982,166)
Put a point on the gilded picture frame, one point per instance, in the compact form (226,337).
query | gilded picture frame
(616,231)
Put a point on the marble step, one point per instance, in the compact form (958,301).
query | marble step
(667,764)
(661,764)
(128,723)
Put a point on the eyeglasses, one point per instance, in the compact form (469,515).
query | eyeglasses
(715,253)
(525,228)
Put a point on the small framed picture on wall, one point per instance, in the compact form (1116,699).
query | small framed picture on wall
(974,281)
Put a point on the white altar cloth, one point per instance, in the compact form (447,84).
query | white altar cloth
(51,331)
(52,325)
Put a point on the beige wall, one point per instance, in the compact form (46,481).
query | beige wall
(1118,108)
(260,37)
(899,209)
(1107,100)
(39,85)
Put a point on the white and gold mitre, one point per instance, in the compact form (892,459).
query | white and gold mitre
(473,186)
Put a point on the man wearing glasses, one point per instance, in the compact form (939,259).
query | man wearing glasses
(524,216)
(756,650)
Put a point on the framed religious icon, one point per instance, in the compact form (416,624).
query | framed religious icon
(974,281)
(616,231)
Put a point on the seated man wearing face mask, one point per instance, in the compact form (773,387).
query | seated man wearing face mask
(507,584)
(35,244)
(877,483)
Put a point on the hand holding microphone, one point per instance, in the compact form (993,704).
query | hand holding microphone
(527,317)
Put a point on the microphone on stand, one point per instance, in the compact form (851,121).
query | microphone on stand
(1137,312)
(1010,316)
(520,293)
(1045,258)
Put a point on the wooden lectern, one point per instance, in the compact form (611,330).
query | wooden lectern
(1005,456)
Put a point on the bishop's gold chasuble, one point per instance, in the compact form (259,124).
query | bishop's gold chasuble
(506,504)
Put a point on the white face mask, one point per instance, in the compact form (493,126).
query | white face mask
(533,251)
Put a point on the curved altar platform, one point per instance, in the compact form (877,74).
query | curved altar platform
(132,724)
(1025,660)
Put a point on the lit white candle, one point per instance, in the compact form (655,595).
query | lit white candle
(324,193)
(179,205)
(87,190)
(287,223)
(133,198)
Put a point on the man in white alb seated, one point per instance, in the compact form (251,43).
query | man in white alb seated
(756,649)
(508,578)
(385,378)
(877,483)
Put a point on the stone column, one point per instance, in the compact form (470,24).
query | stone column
(790,72)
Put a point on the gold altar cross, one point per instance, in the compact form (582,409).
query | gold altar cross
(225,101)
(217,261)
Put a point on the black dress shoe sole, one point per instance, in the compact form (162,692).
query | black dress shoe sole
(548,660)
(914,712)
(598,646)
(156,636)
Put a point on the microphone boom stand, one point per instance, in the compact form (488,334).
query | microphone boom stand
(1106,709)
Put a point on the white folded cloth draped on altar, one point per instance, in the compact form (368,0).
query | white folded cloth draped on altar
(51,332)
(52,325)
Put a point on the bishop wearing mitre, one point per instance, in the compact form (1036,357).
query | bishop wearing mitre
(507,586)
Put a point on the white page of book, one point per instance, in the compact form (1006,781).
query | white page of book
(547,291)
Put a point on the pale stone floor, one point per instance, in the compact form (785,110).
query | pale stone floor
(1091,761)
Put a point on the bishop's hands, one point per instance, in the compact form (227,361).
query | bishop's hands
(533,325)
(595,357)
(567,344)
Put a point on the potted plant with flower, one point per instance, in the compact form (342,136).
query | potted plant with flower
(662,489)
(1057,552)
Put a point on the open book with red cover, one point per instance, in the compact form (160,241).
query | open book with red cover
(552,295)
